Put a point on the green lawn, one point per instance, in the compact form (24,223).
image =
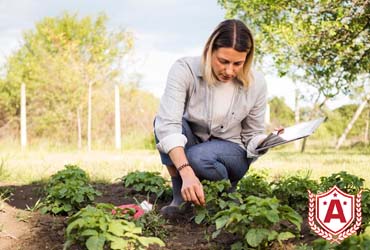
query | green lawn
(37,164)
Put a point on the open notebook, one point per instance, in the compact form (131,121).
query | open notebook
(292,133)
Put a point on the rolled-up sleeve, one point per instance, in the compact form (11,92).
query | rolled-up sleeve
(253,125)
(168,122)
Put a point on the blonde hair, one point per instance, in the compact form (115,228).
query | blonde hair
(229,34)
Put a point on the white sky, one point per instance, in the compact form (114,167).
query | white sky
(164,30)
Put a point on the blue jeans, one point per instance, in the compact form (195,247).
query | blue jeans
(213,160)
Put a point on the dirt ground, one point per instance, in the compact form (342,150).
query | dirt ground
(22,229)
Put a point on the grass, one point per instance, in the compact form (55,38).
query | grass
(37,164)
(24,167)
(317,162)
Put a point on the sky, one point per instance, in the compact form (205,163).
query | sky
(164,31)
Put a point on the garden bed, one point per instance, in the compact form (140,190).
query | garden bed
(22,229)
(269,222)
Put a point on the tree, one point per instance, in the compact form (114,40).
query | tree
(363,92)
(322,43)
(60,62)
(325,42)
(280,113)
(357,114)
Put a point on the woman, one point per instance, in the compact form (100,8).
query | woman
(211,116)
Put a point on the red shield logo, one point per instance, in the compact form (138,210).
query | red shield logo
(337,213)
(335,210)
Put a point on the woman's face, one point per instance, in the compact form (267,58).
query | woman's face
(226,63)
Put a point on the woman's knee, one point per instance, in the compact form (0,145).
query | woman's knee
(205,164)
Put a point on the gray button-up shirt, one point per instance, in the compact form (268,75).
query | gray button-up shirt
(188,96)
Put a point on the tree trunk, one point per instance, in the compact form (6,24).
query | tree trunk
(366,134)
(89,118)
(117,117)
(296,115)
(23,117)
(79,133)
(350,124)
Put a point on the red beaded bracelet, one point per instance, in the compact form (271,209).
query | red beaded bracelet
(183,166)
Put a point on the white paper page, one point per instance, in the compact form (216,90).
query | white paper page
(301,130)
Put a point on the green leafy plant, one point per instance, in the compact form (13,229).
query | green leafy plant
(292,191)
(146,183)
(258,222)
(216,197)
(152,224)
(355,242)
(346,182)
(98,228)
(365,209)
(68,191)
(255,184)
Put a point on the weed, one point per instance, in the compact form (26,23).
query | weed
(153,224)
(35,207)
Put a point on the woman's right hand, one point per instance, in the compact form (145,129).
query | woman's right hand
(192,189)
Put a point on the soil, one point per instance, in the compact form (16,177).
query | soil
(21,228)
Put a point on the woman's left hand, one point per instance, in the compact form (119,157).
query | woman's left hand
(279,130)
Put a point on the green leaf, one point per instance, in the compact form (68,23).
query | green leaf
(237,246)
(89,232)
(215,234)
(272,216)
(146,241)
(95,242)
(67,244)
(118,243)
(116,228)
(272,235)
(220,222)
(200,216)
(56,210)
(254,236)
(67,207)
(285,236)
(79,222)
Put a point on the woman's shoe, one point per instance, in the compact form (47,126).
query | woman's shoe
(175,212)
